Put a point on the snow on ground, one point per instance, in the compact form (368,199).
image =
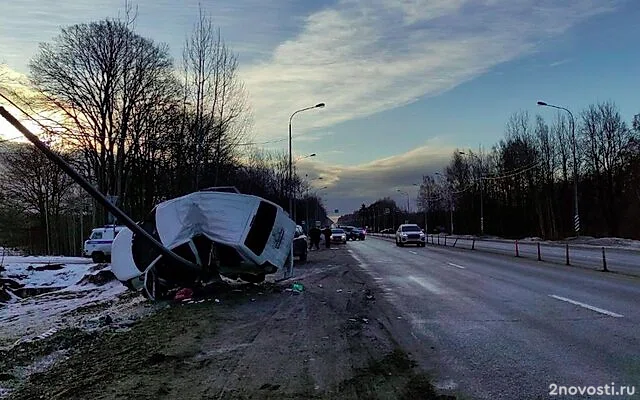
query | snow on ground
(607,242)
(73,302)
(23,270)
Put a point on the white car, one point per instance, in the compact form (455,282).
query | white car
(224,233)
(338,236)
(410,234)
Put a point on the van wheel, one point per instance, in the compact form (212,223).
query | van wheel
(97,257)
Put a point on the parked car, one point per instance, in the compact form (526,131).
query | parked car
(338,235)
(300,244)
(410,234)
(357,234)
(98,246)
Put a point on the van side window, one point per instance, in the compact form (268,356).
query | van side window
(96,235)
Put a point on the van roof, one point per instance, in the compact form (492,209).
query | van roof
(109,227)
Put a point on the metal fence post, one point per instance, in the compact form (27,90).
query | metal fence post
(604,261)
(454,243)
(539,257)
(473,244)
(567,254)
(517,251)
(445,241)
(438,239)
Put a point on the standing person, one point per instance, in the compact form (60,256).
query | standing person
(327,237)
(314,236)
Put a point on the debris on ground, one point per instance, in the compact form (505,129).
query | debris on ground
(297,288)
(46,267)
(183,294)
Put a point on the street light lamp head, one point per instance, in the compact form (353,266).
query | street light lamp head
(462,152)
(319,105)
(542,103)
(312,155)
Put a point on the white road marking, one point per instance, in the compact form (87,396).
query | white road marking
(427,285)
(587,306)
(413,252)
(456,265)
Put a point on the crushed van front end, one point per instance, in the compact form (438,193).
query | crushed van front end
(225,234)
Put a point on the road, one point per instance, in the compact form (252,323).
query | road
(618,259)
(498,327)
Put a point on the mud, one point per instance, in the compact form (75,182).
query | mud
(237,342)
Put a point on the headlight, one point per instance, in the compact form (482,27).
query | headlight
(404,235)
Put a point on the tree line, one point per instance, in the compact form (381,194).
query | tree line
(138,125)
(524,185)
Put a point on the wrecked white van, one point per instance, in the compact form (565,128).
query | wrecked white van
(224,233)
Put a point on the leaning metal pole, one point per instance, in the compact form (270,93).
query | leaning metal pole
(128,222)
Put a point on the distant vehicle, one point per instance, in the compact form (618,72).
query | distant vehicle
(98,246)
(338,236)
(357,234)
(388,230)
(346,228)
(410,234)
(300,244)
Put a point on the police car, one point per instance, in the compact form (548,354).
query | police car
(98,246)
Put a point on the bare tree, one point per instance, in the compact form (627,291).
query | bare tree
(216,94)
(103,78)
(31,184)
(606,141)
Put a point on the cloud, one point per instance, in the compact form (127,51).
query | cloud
(350,186)
(559,62)
(363,57)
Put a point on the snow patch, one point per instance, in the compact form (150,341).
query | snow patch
(607,242)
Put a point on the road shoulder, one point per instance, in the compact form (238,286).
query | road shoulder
(256,341)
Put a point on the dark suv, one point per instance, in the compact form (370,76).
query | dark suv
(348,230)
(358,234)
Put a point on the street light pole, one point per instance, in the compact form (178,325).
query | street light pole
(576,214)
(290,183)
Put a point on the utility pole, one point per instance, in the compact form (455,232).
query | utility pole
(46,216)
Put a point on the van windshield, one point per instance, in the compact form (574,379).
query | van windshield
(96,235)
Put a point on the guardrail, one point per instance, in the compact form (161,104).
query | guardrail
(606,259)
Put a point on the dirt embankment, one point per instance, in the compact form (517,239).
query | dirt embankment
(256,341)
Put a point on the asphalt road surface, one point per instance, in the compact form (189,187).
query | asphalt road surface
(626,261)
(493,326)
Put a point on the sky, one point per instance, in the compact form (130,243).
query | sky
(405,82)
